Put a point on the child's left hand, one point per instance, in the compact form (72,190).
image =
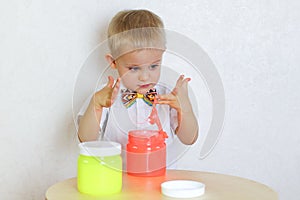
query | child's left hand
(178,98)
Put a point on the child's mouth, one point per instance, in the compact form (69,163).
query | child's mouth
(145,86)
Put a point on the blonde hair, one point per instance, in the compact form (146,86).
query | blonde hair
(130,30)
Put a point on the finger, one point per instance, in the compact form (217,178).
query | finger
(185,82)
(115,93)
(178,84)
(115,90)
(166,97)
(117,84)
(179,81)
(175,91)
(110,82)
(164,102)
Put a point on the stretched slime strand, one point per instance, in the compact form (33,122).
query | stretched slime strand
(154,119)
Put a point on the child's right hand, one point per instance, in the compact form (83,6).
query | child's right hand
(107,95)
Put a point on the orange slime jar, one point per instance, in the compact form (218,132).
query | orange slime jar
(146,153)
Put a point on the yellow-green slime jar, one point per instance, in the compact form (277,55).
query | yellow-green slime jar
(99,168)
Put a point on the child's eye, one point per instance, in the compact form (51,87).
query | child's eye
(133,69)
(153,66)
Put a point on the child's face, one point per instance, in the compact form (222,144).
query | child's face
(140,70)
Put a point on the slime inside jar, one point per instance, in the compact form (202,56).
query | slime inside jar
(99,170)
(146,153)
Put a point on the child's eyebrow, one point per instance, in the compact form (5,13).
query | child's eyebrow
(157,61)
(135,64)
(131,64)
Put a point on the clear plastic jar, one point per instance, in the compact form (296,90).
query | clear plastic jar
(146,153)
(99,168)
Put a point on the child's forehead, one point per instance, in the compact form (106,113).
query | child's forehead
(141,56)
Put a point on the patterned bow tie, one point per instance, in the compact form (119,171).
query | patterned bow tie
(129,97)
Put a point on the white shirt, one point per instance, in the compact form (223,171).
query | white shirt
(118,120)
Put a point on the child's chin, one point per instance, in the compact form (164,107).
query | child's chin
(143,90)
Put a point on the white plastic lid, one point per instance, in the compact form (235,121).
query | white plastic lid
(100,148)
(182,188)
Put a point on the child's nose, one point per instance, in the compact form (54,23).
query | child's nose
(144,75)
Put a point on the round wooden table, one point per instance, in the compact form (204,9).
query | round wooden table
(217,187)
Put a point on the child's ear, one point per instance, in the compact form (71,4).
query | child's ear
(111,61)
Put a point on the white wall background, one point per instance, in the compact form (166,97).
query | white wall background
(254,45)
